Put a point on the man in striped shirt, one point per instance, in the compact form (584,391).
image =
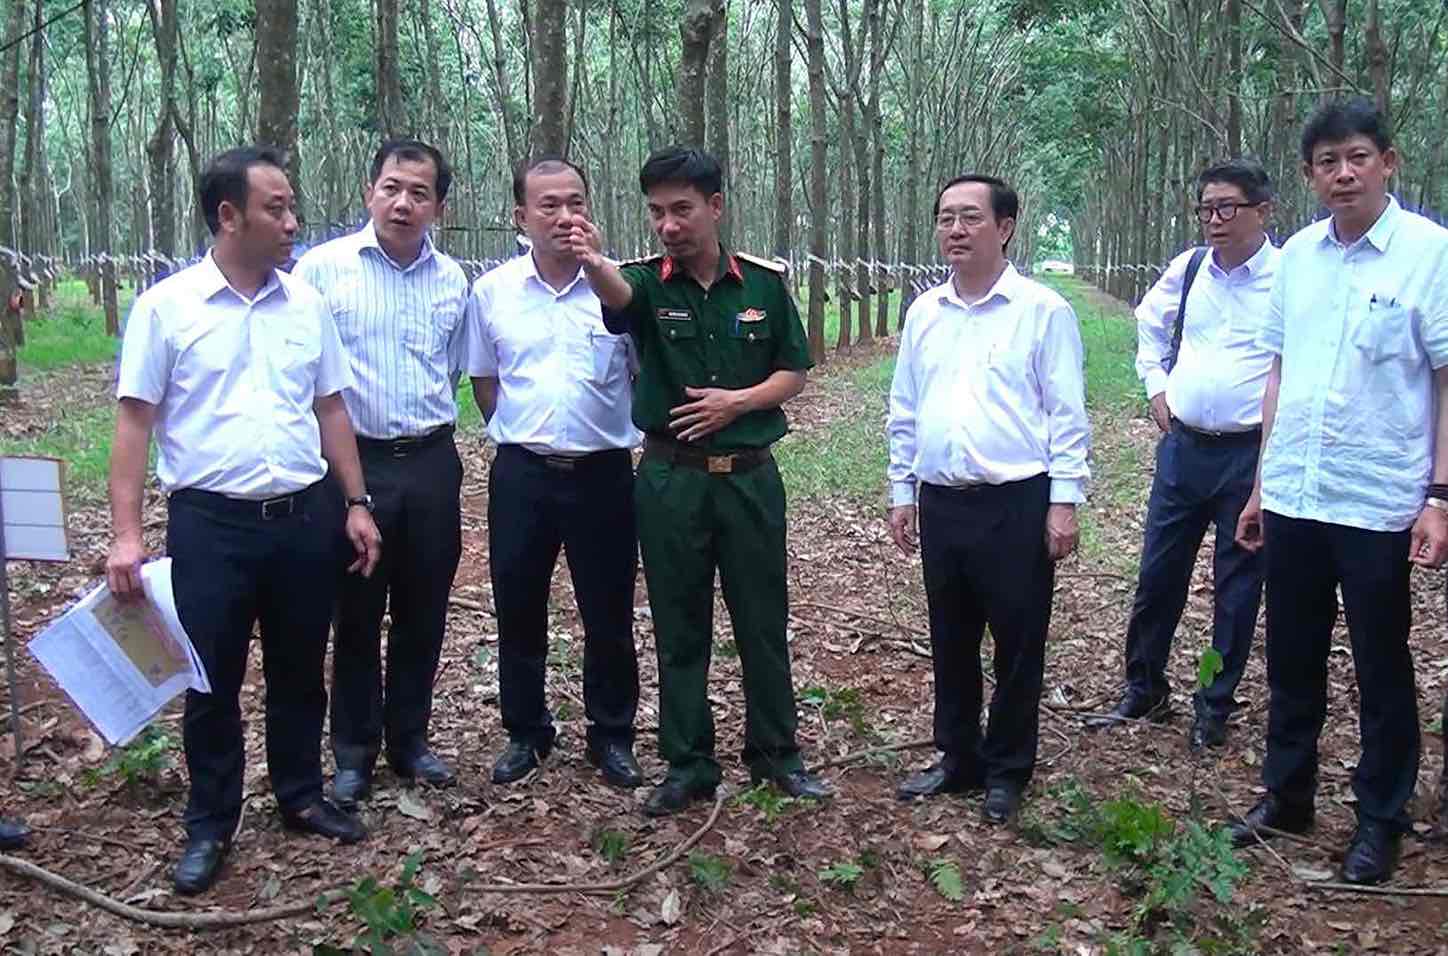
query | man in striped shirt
(399,306)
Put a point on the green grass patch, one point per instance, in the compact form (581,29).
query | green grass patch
(1108,334)
(848,458)
(71,331)
(83,440)
(832,315)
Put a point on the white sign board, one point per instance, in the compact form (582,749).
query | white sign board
(32,502)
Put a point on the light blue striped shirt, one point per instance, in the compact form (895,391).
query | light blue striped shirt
(403,328)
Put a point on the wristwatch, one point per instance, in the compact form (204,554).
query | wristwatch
(1438,503)
(365,500)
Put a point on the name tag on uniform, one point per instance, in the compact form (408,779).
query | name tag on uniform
(675,315)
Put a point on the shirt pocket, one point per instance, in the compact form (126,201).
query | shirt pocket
(430,332)
(610,356)
(676,330)
(1384,332)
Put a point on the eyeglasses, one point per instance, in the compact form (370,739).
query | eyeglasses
(947,220)
(1226,211)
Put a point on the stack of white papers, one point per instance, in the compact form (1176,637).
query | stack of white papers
(121,662)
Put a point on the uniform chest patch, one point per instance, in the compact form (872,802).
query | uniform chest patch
(751,315)
(675,315)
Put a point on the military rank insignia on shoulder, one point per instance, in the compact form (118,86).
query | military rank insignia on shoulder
(772,265)
(642,261)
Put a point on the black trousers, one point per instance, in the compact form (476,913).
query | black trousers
(536,506)
(986,564)
(1199,480)
(1307,561)
(233,568)
(415,488)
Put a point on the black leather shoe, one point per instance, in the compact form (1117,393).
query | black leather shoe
(1207,732)
(943,776)
(519,759)
(800,784)
(325,819)
(674,795)
(199,865)
(1371,854)
(1271,811)
(1001,804)
(615,761)
(13,834)
(350,786)
(428,768)
(1132,707)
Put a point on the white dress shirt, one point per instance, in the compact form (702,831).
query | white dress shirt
(233,380)
(988,392)
(1220,373)
(404,329)
(564,381)
(1358,327)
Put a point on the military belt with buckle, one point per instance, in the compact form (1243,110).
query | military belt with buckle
(659,448)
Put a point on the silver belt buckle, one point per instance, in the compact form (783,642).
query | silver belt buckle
(278,507)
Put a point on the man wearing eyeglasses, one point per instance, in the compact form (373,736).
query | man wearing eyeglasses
(988,438)
(1198,356)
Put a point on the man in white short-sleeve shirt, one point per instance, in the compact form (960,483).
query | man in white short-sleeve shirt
(1353,485)
(237,369)
(554,386)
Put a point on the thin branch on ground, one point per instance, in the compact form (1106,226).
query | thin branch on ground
(218,919)
(871,751)
(1333,887)
(910,629)
(470,605)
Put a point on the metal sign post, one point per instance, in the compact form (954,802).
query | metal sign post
(34,490)
(9,641)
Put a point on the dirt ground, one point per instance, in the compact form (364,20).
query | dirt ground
(860,663)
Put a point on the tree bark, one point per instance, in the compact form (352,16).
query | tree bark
(696,28)
(717,117)
(32,179)
(818,198)
(783,129)
(1378,67)
(506,113)
(550,77)
(98,77)
(11,333)
(160,149)
(391,117)
(912,213)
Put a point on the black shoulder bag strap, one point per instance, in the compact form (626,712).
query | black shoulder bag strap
(1193,266)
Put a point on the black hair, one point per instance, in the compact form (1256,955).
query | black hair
(1338,120)
(680,166)
(416,151)
(1004,202)
(545,163)
(224,179)
(1246,174)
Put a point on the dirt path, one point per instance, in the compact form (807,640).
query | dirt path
(858,639)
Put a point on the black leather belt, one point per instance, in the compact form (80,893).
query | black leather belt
(1249,436)
(579,462)
(269,509)
(402,447)
(678,453)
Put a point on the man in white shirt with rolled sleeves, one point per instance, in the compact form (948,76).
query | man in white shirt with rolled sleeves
(1204,373)
(555,388)
(988,433)
(1353,484)
(400,308)
(238,370)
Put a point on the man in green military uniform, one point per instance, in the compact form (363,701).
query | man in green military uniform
(720,349)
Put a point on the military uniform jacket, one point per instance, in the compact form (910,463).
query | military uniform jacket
(733,335)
